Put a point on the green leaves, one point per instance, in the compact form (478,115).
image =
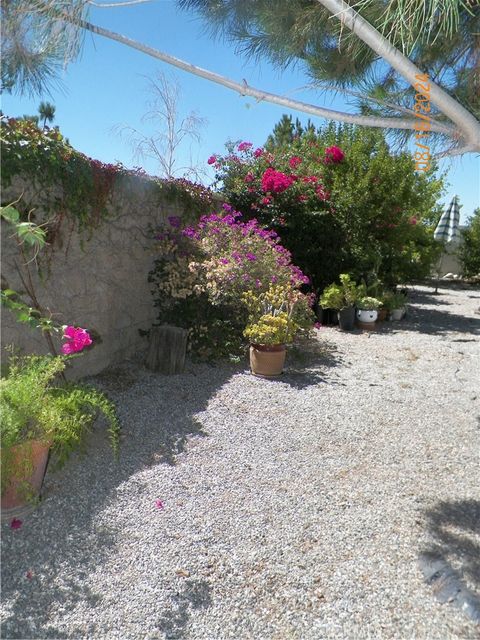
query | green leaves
(24,313)
(10,214)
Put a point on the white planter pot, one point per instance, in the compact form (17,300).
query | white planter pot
(397,314)
(367,315)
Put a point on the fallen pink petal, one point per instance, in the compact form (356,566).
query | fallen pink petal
(15,524)
(29,575)
(159,504)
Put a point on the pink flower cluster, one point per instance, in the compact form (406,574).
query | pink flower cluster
(77,339)
(275,181)
(333,155)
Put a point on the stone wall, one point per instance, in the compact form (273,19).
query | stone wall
(97,282)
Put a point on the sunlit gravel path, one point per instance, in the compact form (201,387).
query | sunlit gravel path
(295,508)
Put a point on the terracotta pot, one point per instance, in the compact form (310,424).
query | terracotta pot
(23,489)
(382,314)
(267,360)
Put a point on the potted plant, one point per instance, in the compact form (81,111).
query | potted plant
(367,309)
(275,318)
(396,305)
(41,417)
(342,298)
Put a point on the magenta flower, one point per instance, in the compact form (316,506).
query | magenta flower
(244,146)
(29,575)
(333,155)
(266,200)
(413,220)
(250,256)
(258,152)
(249,177)
(294,161)
(322,193)
(174,221)
(159,504)
(15,524)
(212,160)
(275,181)
(77,339)
(318,325)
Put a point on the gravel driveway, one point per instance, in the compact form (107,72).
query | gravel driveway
(339,501)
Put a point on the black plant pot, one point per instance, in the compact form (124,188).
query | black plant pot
(327,316)
(346,319)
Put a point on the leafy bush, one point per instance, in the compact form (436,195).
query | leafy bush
(368,303)
(340,201)
(469,251)
(33,407)
(203,272)
(340,297)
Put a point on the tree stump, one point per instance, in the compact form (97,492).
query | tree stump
(167,349)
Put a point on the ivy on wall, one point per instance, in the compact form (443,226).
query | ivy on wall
(65,182)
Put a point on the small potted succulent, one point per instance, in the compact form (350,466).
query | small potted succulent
(367,309)
(42,415)
(342,298)
(275,318)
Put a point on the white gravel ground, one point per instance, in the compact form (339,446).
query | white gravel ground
(294,508)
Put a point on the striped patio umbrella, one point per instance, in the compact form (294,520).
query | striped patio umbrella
(447,228)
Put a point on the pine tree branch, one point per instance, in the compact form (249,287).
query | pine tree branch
(466,123)
(245,89)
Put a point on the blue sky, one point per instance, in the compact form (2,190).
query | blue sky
(107,87)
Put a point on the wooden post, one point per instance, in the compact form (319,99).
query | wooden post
(167,349)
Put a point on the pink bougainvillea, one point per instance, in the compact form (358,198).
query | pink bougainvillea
(212,160)
(244,146)
(333,155)
(294,161)
(77,339)
(275,181)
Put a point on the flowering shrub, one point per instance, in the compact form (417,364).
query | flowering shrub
(204,273)
(340,200)
(287,189)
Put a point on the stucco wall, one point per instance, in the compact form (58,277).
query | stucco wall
(100,282)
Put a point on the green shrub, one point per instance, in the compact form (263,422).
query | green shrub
(34,407)
(469,252)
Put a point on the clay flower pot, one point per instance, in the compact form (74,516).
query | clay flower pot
(267,360)
(27,466)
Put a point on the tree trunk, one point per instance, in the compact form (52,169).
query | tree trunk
(167,349)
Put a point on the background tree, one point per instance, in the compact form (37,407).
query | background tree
(469,251)
(336,42)
(46,110)
(285,131)
(172,131)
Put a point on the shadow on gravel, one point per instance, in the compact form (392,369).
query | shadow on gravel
(425,297)
(46,563)
(195,595)
(308,364)
(434,322)
(451,564)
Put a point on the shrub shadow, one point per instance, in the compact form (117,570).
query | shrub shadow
(194,595)
(434,322)
(308,363)
(63,536)
(451,562)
